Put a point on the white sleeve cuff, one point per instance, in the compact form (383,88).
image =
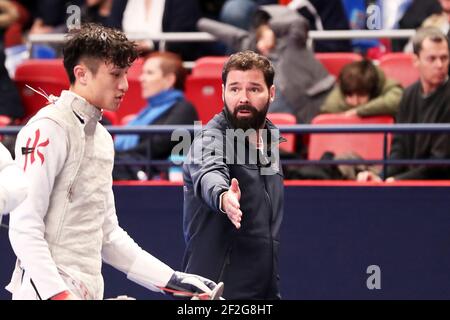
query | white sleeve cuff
(220,202)
(150,272)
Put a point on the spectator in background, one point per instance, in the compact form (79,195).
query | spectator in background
(426,101)
(325,15)
(363,90)
(417,12)
(413,17)
(16,50)
(10,105)
(51,16)
(155,17)
(103,12)
(280,33)
(239,13)
(440,20)
(162,82)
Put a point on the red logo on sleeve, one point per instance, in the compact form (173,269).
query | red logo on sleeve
(31,150)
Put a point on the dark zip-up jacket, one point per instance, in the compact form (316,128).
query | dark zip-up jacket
(246,260)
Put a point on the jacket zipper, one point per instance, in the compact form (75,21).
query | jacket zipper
(70,190)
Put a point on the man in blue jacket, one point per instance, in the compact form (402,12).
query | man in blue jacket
(233,193)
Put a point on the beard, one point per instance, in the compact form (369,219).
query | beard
(255,121)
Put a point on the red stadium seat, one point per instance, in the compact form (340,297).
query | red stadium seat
(111,117)
(284,119)
(50,76)
(399,66)
(204,86)
(132,102)
(46,74)
(335,61)
(209,67)
(206,95)
(367,145)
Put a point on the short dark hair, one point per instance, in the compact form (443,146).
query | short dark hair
(360,77)
(432,33)
(92,43)
(171,63)
(247,60)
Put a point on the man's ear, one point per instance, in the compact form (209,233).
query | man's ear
(416,60)
(80,72)
(223,93)
(272,93)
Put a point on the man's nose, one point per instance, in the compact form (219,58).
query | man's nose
(244,97)
(123,85)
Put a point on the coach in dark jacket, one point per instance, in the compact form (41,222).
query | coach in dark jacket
(233,202)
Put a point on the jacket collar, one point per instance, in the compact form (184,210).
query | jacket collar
(88,114)
(82,108)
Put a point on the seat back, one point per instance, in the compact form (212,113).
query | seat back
(205,93)
(111,117)
(46,74)
(50,76)
(335,61)
(367,145)
(400,66)
(132,101)
(209,67)
(284,119)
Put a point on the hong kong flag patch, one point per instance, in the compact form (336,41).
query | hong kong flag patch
(32,149)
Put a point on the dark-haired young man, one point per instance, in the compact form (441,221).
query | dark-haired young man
(68,223)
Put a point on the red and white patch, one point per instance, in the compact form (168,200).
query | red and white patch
(32,149)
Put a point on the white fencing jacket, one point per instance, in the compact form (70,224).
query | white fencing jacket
(68,223)
(13,184)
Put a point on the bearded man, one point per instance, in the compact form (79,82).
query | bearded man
(233,186)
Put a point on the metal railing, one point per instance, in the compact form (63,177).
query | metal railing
(297,129)
(206,37)
(166,37)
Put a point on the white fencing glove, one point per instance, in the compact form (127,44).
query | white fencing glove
(191,285)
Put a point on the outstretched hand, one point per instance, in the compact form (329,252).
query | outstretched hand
(231,205)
